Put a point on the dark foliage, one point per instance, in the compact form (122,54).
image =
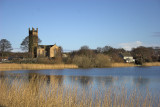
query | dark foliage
(5,45)
(25,43)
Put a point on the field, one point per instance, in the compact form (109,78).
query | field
(37,92)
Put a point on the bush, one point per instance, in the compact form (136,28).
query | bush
(102,60)
(83,61)
(139,61)
(44,61)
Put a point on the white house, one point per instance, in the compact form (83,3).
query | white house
(128,57)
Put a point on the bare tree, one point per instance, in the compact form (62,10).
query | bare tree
(5,46)
(25,43)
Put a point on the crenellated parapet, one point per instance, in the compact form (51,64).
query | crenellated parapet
(33,31)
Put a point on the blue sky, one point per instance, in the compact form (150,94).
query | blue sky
(74,23)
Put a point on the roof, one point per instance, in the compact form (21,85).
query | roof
(43,46)
(126,54)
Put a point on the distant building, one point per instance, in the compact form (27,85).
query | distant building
(128,58)
(36,50)
(47,50)
(64,55)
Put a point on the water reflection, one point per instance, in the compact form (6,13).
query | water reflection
(141,81)
(128,79)
(106,80)
(83,81)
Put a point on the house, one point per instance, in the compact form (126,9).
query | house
(127,57)
(36,50)
(64,55)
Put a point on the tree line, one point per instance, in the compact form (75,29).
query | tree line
(103,57)
(86,57)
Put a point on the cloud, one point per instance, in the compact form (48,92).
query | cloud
(129,46)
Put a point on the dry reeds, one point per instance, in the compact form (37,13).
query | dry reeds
(6,67)
(123,65)
(152,64)
(38,93)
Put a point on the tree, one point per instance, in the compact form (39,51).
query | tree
(85,47)
(106,49)
(102,60)
(143,54)
(58,58)
(25,43)
(5,46)
(86,51)
(99,49)
(61,49)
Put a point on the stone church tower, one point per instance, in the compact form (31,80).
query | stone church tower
(33,42)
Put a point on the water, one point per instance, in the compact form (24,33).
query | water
(144,79)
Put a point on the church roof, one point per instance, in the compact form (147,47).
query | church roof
(47,46)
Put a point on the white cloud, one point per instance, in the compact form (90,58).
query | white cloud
(129,46)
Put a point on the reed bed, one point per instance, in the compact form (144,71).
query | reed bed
(123,65)
(7,67)
(152,64)
(37,92)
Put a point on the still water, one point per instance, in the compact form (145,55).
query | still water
(144,79)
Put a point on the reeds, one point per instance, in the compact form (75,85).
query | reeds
(38,93)
(152,64)
(12,66)
(123,65)
(6,67)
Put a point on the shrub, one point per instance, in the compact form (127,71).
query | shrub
(102,60)
(83,61)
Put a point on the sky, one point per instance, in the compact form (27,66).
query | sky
(73,23)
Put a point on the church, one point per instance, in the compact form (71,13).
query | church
(35,50)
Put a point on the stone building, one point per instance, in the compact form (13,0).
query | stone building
(36,50)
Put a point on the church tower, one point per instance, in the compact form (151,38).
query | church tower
(33,42)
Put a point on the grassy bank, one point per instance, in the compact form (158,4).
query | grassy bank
(123,65)
(152,64)
(133,65)
(6,67)
(39,93)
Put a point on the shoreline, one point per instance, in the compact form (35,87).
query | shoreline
(149,64)
(116,65)
(13,66)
